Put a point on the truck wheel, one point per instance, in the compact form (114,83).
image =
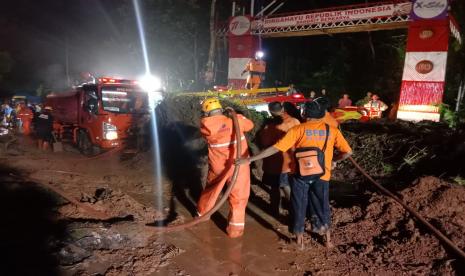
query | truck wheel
(84,144)
(96,150)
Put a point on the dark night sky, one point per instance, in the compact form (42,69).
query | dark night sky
(38,34)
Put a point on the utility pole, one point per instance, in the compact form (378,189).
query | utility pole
(209,70)
(459,97)
(68,79)
(252,6)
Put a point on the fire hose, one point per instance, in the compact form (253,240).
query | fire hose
(436,232)
(232,182)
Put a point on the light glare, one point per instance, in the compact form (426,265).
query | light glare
(150,83)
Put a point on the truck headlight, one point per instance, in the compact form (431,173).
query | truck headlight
(109,131)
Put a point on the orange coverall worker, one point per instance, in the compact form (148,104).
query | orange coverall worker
(256,69)
(219,132)
(25,114)
(277,166)
(270,134)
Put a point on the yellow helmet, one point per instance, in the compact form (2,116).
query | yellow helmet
(210,104)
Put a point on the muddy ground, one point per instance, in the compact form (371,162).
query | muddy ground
(43,234)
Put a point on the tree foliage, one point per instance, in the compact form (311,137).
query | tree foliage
(6,63)
(178,38)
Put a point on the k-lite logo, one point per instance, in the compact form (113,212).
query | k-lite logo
(430,5)
(429,9)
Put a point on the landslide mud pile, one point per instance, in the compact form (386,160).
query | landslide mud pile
(398,150)
(382,237)
(403,151)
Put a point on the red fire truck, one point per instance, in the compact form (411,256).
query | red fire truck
(101,114)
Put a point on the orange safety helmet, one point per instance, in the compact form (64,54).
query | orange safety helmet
(211,104)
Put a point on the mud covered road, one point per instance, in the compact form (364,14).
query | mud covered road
(43,233)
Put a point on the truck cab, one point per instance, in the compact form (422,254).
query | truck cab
(100,115)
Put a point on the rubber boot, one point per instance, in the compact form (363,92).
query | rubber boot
(235,231)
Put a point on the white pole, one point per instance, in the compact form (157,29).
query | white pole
(459,97)
(252,4)
(267,7)
(68,79)
(275,9)
(233,8)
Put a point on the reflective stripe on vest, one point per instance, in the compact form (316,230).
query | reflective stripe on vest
(237,223)
(226,144)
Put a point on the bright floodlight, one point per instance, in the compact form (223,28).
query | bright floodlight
(150,83)
(259,54)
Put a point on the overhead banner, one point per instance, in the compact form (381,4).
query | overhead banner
(381,11)
(425,66)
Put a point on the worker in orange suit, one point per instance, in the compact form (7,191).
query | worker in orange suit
(256,68)
(277,167)
(219,132)
(25,115)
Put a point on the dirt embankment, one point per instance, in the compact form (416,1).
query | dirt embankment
(383,236)
(390,150)
(397,153)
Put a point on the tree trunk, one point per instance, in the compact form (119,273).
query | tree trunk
(370,41)
(196,58)
(209,75)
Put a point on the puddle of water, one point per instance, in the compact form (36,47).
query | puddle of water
(210,252)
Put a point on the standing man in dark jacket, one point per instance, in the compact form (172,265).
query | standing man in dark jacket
(44,128)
